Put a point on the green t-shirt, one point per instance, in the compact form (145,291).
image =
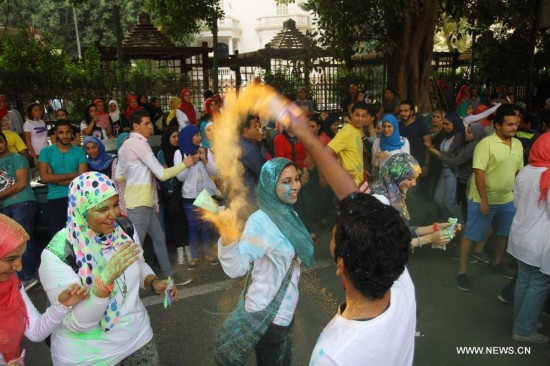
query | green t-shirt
(500,164)
(8,169)
(61,163)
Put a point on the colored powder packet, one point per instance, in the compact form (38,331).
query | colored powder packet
(206,202)
(168,299)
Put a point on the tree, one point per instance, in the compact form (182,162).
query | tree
(54,18)
(402,29)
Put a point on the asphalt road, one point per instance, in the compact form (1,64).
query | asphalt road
(447,317)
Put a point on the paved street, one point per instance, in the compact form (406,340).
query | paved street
(447,317)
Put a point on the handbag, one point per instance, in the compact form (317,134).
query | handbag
(242,330)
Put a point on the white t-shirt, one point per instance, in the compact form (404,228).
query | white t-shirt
(387,339)
(100,133)
(39,134)
(529,239)
(91,345)
(265,245)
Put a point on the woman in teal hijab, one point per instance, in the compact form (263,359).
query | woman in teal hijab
(465,109)
(272,245)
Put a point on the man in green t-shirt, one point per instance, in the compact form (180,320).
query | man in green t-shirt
(497,159)
(59,164)
(18,202)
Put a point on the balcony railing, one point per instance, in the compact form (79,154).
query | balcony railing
(277,20)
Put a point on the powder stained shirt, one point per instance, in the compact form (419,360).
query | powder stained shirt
(265,245)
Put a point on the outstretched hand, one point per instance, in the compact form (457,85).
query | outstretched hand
(73,294)
(124,257)
(226,222)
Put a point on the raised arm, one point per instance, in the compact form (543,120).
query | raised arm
(338,179)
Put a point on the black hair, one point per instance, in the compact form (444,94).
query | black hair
(207,94)
(3,136)
(390,88)
(246,123)
(373,242)
(503,111)
(61,122)
(137,116)
(87,117)
(30,108)
(359,105)
(372,110)
(153,100)
(315,119)
(409,103)
(63,110)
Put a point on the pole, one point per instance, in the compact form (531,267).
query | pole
(216,53)
(77,36)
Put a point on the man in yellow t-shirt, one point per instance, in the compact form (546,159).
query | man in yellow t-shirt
(348,143)
(497,159)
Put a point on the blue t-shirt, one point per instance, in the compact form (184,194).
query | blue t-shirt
(415,133)
(8,170)
(61,163)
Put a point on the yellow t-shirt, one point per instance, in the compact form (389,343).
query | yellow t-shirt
(500,164)
(15,143)
(349,146)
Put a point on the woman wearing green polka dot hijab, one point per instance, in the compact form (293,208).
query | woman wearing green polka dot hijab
(112,325)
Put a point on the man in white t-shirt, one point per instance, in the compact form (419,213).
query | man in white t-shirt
(376,324)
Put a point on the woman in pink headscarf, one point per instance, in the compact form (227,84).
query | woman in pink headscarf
(17,313)
(529,242)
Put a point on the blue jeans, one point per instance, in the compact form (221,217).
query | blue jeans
(445,194)
(532,288)
(197,227)
(25,213)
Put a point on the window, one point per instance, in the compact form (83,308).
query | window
(282,9)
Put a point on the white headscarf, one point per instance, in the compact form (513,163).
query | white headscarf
(115,116)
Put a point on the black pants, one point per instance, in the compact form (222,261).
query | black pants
(57,214)
(275,347)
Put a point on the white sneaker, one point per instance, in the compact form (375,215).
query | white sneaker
(181,259)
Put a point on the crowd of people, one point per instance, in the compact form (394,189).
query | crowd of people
(484,166)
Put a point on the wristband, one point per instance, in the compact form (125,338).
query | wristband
(151,284)
(435,227)
(99,284)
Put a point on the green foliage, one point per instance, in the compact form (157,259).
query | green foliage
(346,77)
(284,80)
(54,18)
(30,69)
(180,19)
(144,77)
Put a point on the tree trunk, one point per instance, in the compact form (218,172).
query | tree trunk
(410,64)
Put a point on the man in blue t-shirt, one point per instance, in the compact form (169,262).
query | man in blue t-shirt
(59,164)
(18,202)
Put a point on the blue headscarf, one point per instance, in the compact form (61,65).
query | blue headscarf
(393,142)
(186,140)
(205,141)
(120,139)
(282,214)
(103,159)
